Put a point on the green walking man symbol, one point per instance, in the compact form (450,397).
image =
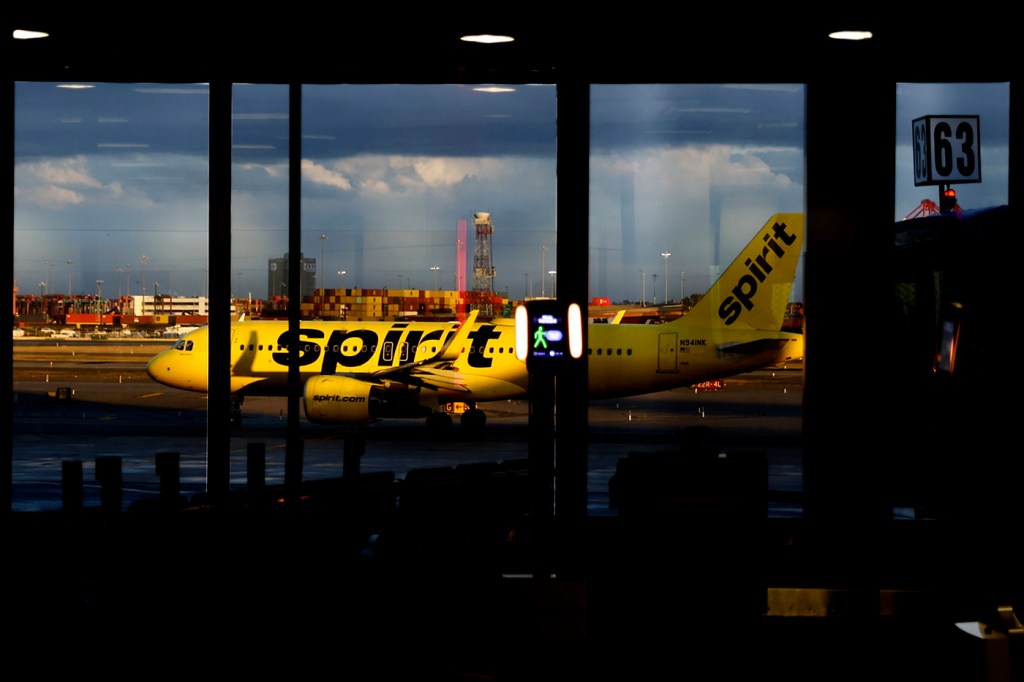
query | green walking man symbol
(538,338)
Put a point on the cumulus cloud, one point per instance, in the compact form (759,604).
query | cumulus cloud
(321,175)
(49,196)
(59,183)
(387,174)
(271,170)
(69,171)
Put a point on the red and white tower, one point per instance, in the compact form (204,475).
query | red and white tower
(483,268)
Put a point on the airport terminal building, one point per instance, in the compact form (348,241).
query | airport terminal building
(630,164)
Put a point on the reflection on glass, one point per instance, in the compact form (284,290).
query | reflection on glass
(417,204)
(389,171)
(682,177)
(110,256)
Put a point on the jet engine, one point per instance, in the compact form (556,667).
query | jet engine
(337,400)
(330,399)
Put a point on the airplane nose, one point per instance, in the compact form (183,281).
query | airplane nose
(153,366)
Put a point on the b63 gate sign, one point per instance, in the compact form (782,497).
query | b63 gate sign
(947,149)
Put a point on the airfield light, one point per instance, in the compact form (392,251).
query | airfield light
(947,200)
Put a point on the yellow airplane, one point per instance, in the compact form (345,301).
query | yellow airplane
(361,372)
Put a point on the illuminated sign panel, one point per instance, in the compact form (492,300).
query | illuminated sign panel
(947,149)
(548,333)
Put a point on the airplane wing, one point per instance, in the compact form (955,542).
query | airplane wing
(439,378)
(432,372)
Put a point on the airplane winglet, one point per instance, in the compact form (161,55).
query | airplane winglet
(453,349)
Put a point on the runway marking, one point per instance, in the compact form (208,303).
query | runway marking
(152,395)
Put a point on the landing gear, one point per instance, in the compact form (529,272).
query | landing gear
(474,419)
(439,421)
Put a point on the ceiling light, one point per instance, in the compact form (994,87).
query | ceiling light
(487,38)
(21,34)
(850,35)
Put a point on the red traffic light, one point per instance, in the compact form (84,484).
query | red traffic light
(947,200)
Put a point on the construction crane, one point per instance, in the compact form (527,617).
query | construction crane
(926,207)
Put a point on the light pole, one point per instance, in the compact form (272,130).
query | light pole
(682,285)
(341,278)
(543,253)
(665,255)
(69,277)
(99,301)
(156,293)
(143,259)
(654,288)
(553,273)
(322,269)
(643,291)
(435,268)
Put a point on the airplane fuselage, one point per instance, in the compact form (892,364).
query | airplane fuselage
(623,359)
(636,359)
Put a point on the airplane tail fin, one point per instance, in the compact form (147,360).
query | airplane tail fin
(754,290)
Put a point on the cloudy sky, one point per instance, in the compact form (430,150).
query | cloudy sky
(114,179)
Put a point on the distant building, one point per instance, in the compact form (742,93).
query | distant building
(165,304)
(277,278)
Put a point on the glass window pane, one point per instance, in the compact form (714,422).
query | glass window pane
(110,256)
(990,104)
(682,178)
(420,203)
(950,136)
